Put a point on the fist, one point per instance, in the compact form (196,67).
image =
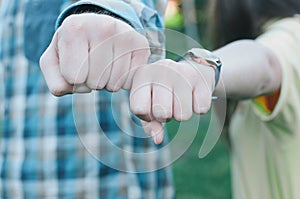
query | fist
(167,89)
(91,52)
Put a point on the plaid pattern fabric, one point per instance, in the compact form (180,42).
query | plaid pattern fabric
(66,147)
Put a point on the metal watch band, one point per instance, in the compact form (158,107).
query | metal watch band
(203,57)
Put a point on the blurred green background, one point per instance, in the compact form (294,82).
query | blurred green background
(207,178)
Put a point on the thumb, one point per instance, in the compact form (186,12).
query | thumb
(155,129)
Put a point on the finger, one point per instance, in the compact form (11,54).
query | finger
(81,88)
(147,127)
(155,129)
(140,99)
(49,65)
(162,102)
(139,57)
(201,99)
(182,109)
(121,62)
(101,56)
(73,55)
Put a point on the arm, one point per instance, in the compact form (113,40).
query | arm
(249,70)
(175,90)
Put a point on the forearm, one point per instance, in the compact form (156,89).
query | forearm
(249,70)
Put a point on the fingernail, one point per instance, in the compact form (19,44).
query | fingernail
(204,109)
(158,138)
(154,137)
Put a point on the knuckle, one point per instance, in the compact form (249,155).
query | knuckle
(161,114)
(94,85)
(204,110)
(205,106)
(139,110)
(73,23)
(183,116)
(58,91)
(127,85)
(202,103)
(112,87)
(72,27)
(72,79)
(197,110)
(109,29)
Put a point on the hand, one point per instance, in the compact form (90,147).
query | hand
(167,89)
(93,51)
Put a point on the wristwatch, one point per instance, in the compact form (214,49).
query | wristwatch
(203,57)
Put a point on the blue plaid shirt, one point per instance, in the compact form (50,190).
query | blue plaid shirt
(76,146)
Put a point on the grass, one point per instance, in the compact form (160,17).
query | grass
(207,178)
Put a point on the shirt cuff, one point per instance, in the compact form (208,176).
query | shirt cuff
(116,9)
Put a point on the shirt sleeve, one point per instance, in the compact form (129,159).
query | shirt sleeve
(118,9)
(283,38)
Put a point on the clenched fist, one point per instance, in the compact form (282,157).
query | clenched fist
(93,51)
(167,89)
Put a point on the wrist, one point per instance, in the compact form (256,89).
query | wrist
(205,58)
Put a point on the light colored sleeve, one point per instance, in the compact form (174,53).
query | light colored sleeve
(118,9)
(283,38)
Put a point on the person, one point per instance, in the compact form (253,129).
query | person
(51,147)
(264,129)
(264,63)
(258,43)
